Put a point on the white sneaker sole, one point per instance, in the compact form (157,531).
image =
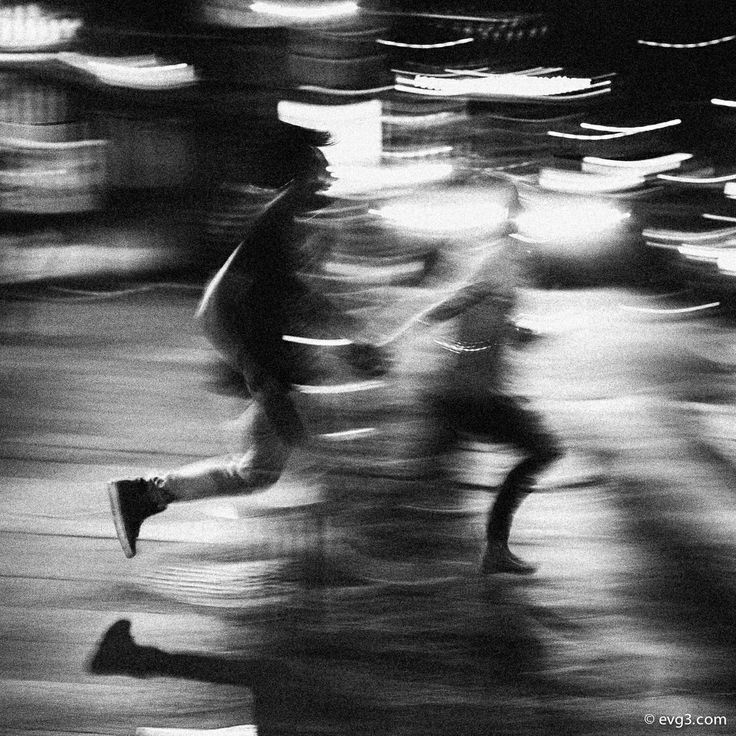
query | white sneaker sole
(117,517)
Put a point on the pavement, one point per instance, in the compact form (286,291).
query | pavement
(629,616)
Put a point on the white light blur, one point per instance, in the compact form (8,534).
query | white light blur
(684,236)
(721,218)
(642,167)
(577,182)
(441,45)
(446,217)
(670,311)
(354,180)
(696,45)
(481,84)
(697,179)
(141,72)
(727,262)
(339,388)
(420,152)
(722,102)
(321,342)
(581,137)
(631,128)
(556,221)
(348,434)
(284,10)
(730,190)
(703,253)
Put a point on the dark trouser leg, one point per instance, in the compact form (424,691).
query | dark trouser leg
(279,408)
(268,384)
(511,494)
(525,431)
(508,420)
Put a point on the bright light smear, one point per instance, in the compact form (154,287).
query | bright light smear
(727,262)
(696,45)
(316,12)
(322,342)
(577,182)
(688,236)
(481,84)
(702,253)
(631,128)
(442,45)
(445,217)
(723,103)
(704,180)
(722,218)
(355,180)
(642,167)
(556,221)
(581,137)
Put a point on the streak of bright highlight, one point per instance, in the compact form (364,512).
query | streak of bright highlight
(631,128)
(445,217)
(284,10)
(364,179)
(695,45)
(575,220)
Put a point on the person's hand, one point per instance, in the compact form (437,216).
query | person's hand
(368,359)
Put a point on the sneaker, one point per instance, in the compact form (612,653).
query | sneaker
(498,558)
(132,502)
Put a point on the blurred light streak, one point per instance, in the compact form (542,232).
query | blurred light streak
(722,102)
(727,262)
(323,342)
(325,11)
(501,85)
(581,137)
(555,221)
(703,253)
(29,27)
(631,128)
(682,236)
(532,72)
(697,179)
(441,45)
(721,218)
(446,217)
(671,311)
(340,388)
(420,152)
(139,72)
(730,190)
(696,45)
(361,179)
(577,182)
(347,434)
(642,167)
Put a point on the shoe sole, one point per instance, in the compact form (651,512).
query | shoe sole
(117,516)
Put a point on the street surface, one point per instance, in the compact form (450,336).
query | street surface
(263,610)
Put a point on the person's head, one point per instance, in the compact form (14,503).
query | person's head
(281,153)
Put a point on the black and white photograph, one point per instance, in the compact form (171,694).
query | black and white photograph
(367,367)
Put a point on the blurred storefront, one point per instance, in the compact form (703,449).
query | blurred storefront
(121,124)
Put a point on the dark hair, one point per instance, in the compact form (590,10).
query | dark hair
(281,152)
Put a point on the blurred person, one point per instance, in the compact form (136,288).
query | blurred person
(477,397)
(249,306)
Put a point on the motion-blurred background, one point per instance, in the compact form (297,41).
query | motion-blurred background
(351,603)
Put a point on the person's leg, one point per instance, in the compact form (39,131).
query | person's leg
(521,427)
(258,466)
